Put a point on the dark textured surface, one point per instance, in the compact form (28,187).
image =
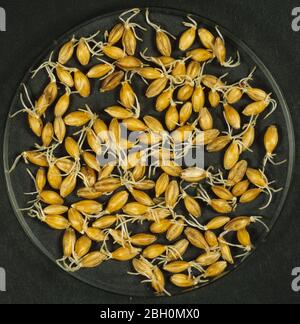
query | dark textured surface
(267,278)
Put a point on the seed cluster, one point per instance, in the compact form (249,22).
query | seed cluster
(113,200)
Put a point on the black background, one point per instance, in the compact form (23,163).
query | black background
(266,27)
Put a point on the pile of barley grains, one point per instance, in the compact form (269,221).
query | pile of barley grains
(118,193)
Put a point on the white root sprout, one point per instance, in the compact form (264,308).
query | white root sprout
(191,23)
(268,190)
(156,27)
(128,24)
(91,39)
(230,63)
(31,109)
(273,103)
(252,220)
(269,157)
(203,195)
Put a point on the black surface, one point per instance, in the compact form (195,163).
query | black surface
(266,28)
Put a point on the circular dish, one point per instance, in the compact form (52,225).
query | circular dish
(111,276)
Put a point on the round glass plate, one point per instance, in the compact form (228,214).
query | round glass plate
(111,276)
